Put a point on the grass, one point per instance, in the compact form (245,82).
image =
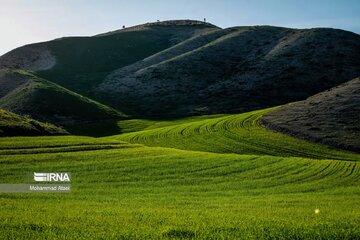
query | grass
(111,127)
(239,133)
(14,125)
(216,177)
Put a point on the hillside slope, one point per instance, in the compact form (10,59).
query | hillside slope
(15,125)
(46,101)
(79,63)
(235,70)
(330,117)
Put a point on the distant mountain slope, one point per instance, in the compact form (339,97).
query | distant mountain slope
(50,102)
(15,125)
(79,63)
(330,117)
(235,70)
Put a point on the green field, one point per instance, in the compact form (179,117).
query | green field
(208,177)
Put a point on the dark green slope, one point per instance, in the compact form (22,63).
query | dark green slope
(330,117)
(15,125)
(82,62)
(235,70)
(50,102)
(11,79)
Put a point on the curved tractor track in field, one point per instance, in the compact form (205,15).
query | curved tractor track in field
(294,175)
(59,144)
(239,133)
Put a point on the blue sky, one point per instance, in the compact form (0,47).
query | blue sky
(28,21)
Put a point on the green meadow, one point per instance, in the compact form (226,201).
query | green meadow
(208,177)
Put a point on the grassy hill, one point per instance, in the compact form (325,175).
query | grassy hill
(183,68)
(330,117)
(47,101)
(255,184)
(235,70)
(80,63)
(15,125)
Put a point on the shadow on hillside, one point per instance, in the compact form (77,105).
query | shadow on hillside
(118,126)
(95,129)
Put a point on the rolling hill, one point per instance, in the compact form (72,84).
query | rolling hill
(330,117)
(183,67)
(15,125)
(49,102)
(235,70)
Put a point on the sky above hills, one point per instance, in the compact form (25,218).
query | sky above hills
(28,21)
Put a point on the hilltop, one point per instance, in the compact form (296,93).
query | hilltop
(330,117)
(202,26)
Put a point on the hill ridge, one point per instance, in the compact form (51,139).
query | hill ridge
(166,23)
